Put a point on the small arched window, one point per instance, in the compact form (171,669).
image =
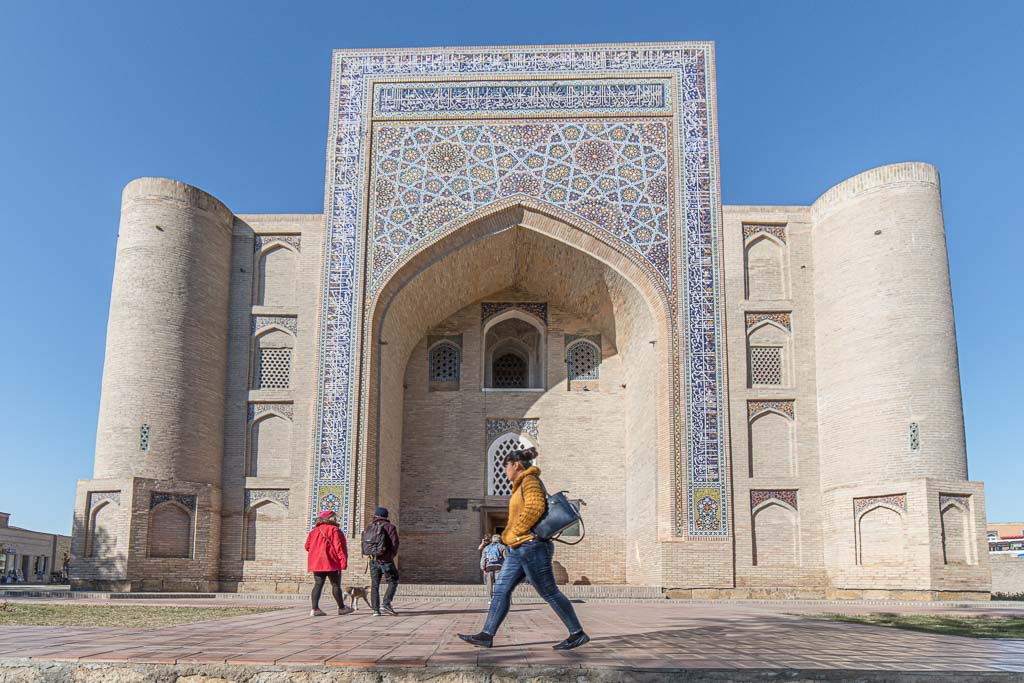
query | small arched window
(584,361)
(444,362)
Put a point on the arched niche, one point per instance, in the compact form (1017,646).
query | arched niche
(170,531)
(265,530)
(270,446)
(881,536)
(765,272)
(775,535)
(275,278)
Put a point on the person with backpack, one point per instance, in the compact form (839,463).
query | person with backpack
(380,544)
(328,556)
(492,558)
(530,557)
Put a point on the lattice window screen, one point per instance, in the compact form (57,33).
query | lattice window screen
(915,437)
(444,363)
(497,483)
(765,365)
(275,369)
(144,438)
(584,362)
(509,372)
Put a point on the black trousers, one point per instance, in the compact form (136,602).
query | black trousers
(389,572)
(318,587)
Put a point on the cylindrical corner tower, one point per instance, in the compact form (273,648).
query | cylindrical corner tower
(889,402)
(162,406)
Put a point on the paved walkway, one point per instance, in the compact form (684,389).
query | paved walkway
(669,635)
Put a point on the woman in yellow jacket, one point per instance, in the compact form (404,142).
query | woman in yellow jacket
(529,557)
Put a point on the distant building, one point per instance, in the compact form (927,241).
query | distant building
(1006,538)
(30,556)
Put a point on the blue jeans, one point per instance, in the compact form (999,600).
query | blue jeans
(531,560)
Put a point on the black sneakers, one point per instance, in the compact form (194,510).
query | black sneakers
(386,609)
(574,640)
(480,639)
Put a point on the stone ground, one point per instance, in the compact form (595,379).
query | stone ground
(663,636)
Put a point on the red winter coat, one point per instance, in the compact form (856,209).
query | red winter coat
(328,551)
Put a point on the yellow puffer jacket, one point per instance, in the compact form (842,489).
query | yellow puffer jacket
(525,508)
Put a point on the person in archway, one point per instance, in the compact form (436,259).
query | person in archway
(529,557)
(380,544)
(328,556)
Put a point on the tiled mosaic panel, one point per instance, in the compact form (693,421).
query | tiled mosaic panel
(612,174)
(610,96)
(787,496)
(699,461)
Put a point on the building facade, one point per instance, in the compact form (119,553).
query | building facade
(527,246)
(30,556)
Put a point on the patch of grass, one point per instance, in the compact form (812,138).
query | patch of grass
(115,616)
(968,626)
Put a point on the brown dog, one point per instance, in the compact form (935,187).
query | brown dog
(356,593)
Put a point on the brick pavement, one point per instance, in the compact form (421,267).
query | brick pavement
(670,635)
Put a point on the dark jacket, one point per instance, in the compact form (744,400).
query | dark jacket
(392,534)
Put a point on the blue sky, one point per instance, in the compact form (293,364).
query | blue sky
(232,97)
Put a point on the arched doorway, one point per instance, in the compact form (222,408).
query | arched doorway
(426,452)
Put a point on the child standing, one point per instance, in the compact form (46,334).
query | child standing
(328,556)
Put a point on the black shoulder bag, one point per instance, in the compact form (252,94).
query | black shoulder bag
(559,515)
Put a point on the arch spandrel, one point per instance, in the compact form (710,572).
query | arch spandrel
(668,87)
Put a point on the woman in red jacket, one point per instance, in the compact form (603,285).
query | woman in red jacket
(328,555)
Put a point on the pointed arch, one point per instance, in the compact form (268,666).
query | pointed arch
(265,529)
(775,532)
(276,269)
(764,266)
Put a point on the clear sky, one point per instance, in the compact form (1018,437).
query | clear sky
(233,98)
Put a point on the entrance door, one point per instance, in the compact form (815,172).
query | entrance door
(495,522)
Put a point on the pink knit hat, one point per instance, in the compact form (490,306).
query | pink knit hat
(326,514)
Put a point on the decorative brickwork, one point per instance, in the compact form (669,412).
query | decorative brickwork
(755,408)
(253,496)
(897,501)
(777,231)
(188,502)
(781,319)
(286,322)
(489,309)
(787,496)
(285,410)
(263,240)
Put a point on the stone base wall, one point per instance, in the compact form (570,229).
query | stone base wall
(1007,574)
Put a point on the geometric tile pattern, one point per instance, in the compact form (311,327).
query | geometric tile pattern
(897,501)
(496,427)
(782,319)
(186,501)
(97,497)
(286,322)
(787,496)
(751,229)
(362,227)
(947,498)
(611,173)
(285,410)
(294,241)
(757,407)
(257,495)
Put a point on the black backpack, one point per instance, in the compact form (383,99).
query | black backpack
(375,540)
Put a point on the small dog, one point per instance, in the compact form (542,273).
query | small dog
(355,593)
